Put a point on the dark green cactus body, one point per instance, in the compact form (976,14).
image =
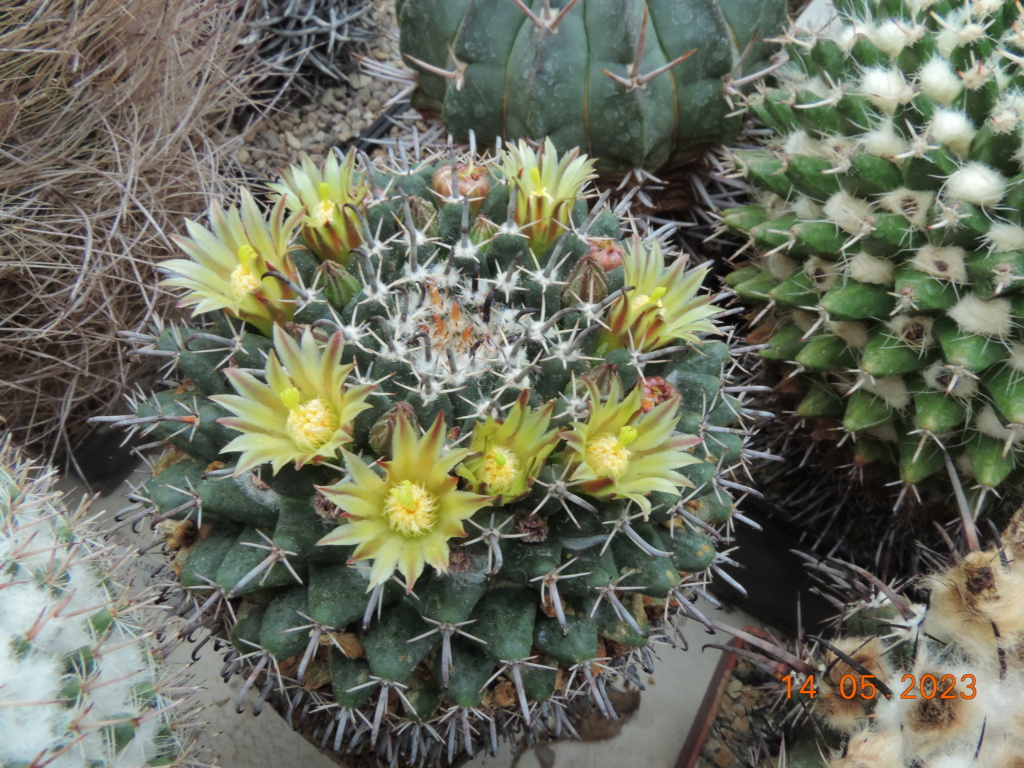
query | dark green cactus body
(902,311)
(519,78)
(544,582)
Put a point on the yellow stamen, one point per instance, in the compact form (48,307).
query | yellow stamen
(539,190)
(500,469)
(410,509)
(311,424)
(608,456)
(323,212)
(243,282)
(655,298)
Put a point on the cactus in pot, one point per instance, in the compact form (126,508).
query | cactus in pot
(888,238)
(82,683)
(446,468)
(639,85)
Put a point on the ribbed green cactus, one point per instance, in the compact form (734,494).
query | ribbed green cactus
(477,446)
(907,684)
(889,236)
(636,84)
(81,680)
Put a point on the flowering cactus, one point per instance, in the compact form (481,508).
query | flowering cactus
(470,488)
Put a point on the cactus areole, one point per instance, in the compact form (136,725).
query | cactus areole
(890,238)
(456,488)
(640,85)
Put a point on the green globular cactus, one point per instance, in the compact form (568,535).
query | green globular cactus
(481,456)
(890,235)
(81,679)
(639,85)
(907,683)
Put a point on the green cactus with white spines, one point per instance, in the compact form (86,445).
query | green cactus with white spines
(506,482)
(639,85)
(889,235)
(81,679)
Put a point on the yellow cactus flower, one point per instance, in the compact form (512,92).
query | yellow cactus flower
(403,520)
(663,306)
(621,451)
(506,454)
(546,189)
(304,412)
(229,265)
(322,197)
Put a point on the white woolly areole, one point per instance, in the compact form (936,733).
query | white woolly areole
(953,129)
(986,318)
(773,204)
(875,748)
(1018,156)
(939,82)
(989,424)
(849,213)
(886,433)
(912,204)
(806,209)
(781,266)
(980,9)
(1006,116)
(846,36)
(913,330)
(865,268)
(1014,37)
(883,141)
(978,76)
(945,263)
(891,38)
(892,389)
(804,320)
(1016,358)
(838,150)
(823,274)
(957,29)
(951,379)
(853,332)
(801,143)
(1003,236)
(976,183)
(886,88)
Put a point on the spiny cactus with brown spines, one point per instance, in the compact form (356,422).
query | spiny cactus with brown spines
(82,682)
(447,452)
(935,681)
(888,240)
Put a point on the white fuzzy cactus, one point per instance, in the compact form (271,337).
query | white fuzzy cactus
(81,685)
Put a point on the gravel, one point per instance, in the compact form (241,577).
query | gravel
(336,115)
